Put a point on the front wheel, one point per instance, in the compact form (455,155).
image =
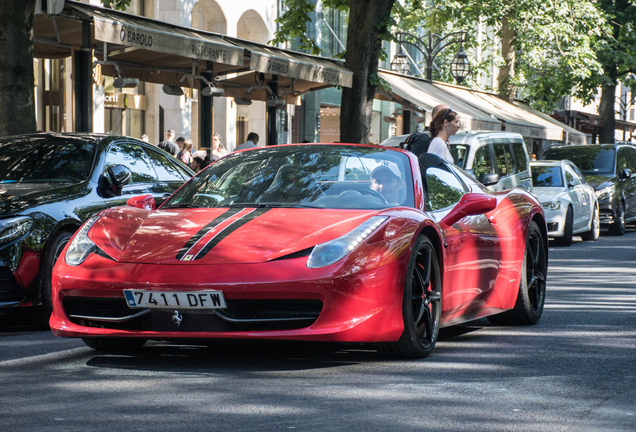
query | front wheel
(595,230)
(421,304)
(566,240)
(529,305)
(54,248)
(618,227)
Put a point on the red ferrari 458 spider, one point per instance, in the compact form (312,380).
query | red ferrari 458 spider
(321,242)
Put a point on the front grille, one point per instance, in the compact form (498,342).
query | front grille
(272,309)
(9,288)
(240,315)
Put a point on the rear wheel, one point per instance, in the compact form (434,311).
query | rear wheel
(421,304)
(529,305)
(114,344)
(566,240)
(618,227)
(595,230)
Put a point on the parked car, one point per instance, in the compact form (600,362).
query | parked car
(569,203)
(499,160)
(51,183)
(328,242)
(611,170)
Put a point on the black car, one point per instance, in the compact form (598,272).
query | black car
(51,183)
(611,170)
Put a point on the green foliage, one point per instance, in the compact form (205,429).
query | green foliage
(116,4)
(293,24)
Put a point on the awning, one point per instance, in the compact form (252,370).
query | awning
(416,91)
(571,135)
(162,53)
(514,118)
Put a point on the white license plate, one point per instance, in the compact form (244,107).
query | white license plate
(172,299)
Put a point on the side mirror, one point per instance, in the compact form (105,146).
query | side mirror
(626,173)
(146,202)
(489,179)
(470,204)
(119,177)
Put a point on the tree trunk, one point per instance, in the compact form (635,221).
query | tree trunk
(17,101)
(606,110)
(367,21)
(507,73)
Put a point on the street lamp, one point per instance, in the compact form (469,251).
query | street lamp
(431,46)
(400,63)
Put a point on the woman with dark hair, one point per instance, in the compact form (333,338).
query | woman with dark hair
(444,125)
(218,149)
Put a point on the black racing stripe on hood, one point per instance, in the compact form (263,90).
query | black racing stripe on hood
(203,231)
(236,225)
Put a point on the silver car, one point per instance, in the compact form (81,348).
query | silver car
(569,203)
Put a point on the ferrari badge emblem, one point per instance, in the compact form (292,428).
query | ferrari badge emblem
(177,318)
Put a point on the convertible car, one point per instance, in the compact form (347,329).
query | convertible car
(320,242)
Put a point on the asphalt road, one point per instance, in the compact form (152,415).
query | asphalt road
(574,371)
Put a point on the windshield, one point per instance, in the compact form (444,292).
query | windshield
(546,176)
(321,176)
(459,153)
(591,159)
(39,159)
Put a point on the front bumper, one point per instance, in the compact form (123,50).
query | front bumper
(274,300)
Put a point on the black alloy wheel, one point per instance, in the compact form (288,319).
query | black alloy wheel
(421,305)
(531,297)
(54,248)
(618,227)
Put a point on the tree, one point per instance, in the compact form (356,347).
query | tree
(545,46)
(616,50)
(17,102)
(370,22)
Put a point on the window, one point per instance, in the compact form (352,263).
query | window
(481,164)
(569,175)
(444,189)
(546,176)
(521,160)
(166,169)
(621,161)
(135,159)
(503,159)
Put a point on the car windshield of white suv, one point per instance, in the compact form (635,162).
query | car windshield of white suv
(318,176)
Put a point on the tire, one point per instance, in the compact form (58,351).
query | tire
(618,227)
(595,229)
(566,240)
(531,297)
(421,304)
(115,344)
(54,248)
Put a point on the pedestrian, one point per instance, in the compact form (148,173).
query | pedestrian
(179,141)
(185,155)
(444,125)
(218,149)
(418,142)
(168,145)
(252,141)
(145,138)
(196,164)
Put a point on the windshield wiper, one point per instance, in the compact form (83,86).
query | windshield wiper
(269,205)
(185,205)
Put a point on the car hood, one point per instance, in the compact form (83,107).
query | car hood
(218,235)
(598,181)
(15,197)
(548,193)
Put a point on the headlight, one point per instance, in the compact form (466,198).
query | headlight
(551,205)
(605,193)
(14,228)
(81,246)
(328,253)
